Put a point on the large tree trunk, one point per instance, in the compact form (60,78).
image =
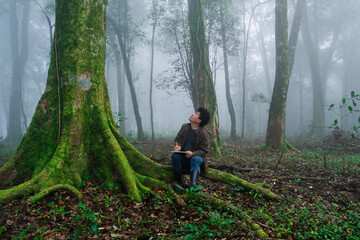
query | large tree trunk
(203,90)
(126,61)
(72,134)
(276,124)
(227,78)
(19,59)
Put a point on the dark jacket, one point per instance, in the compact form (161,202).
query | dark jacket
(201,142)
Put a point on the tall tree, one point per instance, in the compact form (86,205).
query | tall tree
(122,39)
(226,69)
(202,87)
(155,13)
(20,56)
(276,124)
(264,58)
(295,28)
(319,68)
(246,34)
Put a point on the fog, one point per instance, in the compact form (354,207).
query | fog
(334,27)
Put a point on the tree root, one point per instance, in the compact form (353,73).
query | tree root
(230,179)
(226,206)
(52,189)
(288,146)
(152,182)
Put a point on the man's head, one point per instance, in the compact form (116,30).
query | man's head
(201,116)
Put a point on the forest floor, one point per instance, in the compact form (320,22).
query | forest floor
(321,192)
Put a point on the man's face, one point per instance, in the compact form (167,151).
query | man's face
(195,118)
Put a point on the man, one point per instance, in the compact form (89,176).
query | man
(192,140)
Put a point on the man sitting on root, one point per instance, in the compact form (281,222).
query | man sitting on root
(193,141)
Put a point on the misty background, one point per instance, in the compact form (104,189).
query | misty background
(334,27)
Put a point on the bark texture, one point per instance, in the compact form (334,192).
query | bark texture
(276,124)
(202,87)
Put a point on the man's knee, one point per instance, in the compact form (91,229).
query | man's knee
(196,161)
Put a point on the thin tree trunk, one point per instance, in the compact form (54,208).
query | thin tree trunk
(264,58)
(19,60)
(227,78)
(50,25)
(120,90)
(151,80)
(301,79)
(129,78)
(295,28)
(276,124)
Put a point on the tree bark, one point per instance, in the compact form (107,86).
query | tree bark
(202,87)
(276,124)
(19,60)
(126,61)
(227,78)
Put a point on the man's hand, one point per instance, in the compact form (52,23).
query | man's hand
(177,148)
(189,154)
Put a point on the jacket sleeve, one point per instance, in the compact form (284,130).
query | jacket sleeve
(203,148)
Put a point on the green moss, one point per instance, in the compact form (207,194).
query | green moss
(233,180)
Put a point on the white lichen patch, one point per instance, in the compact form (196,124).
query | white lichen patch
(84,82)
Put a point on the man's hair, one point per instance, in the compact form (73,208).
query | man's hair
(204,116)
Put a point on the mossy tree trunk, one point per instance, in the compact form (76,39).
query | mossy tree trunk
(276,124)
(72,134)
(202,87)
(19,59)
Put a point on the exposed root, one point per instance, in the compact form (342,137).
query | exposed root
(226,206)
(230,179)
(52,189)
(151,182)
(288,146)
(19,190)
